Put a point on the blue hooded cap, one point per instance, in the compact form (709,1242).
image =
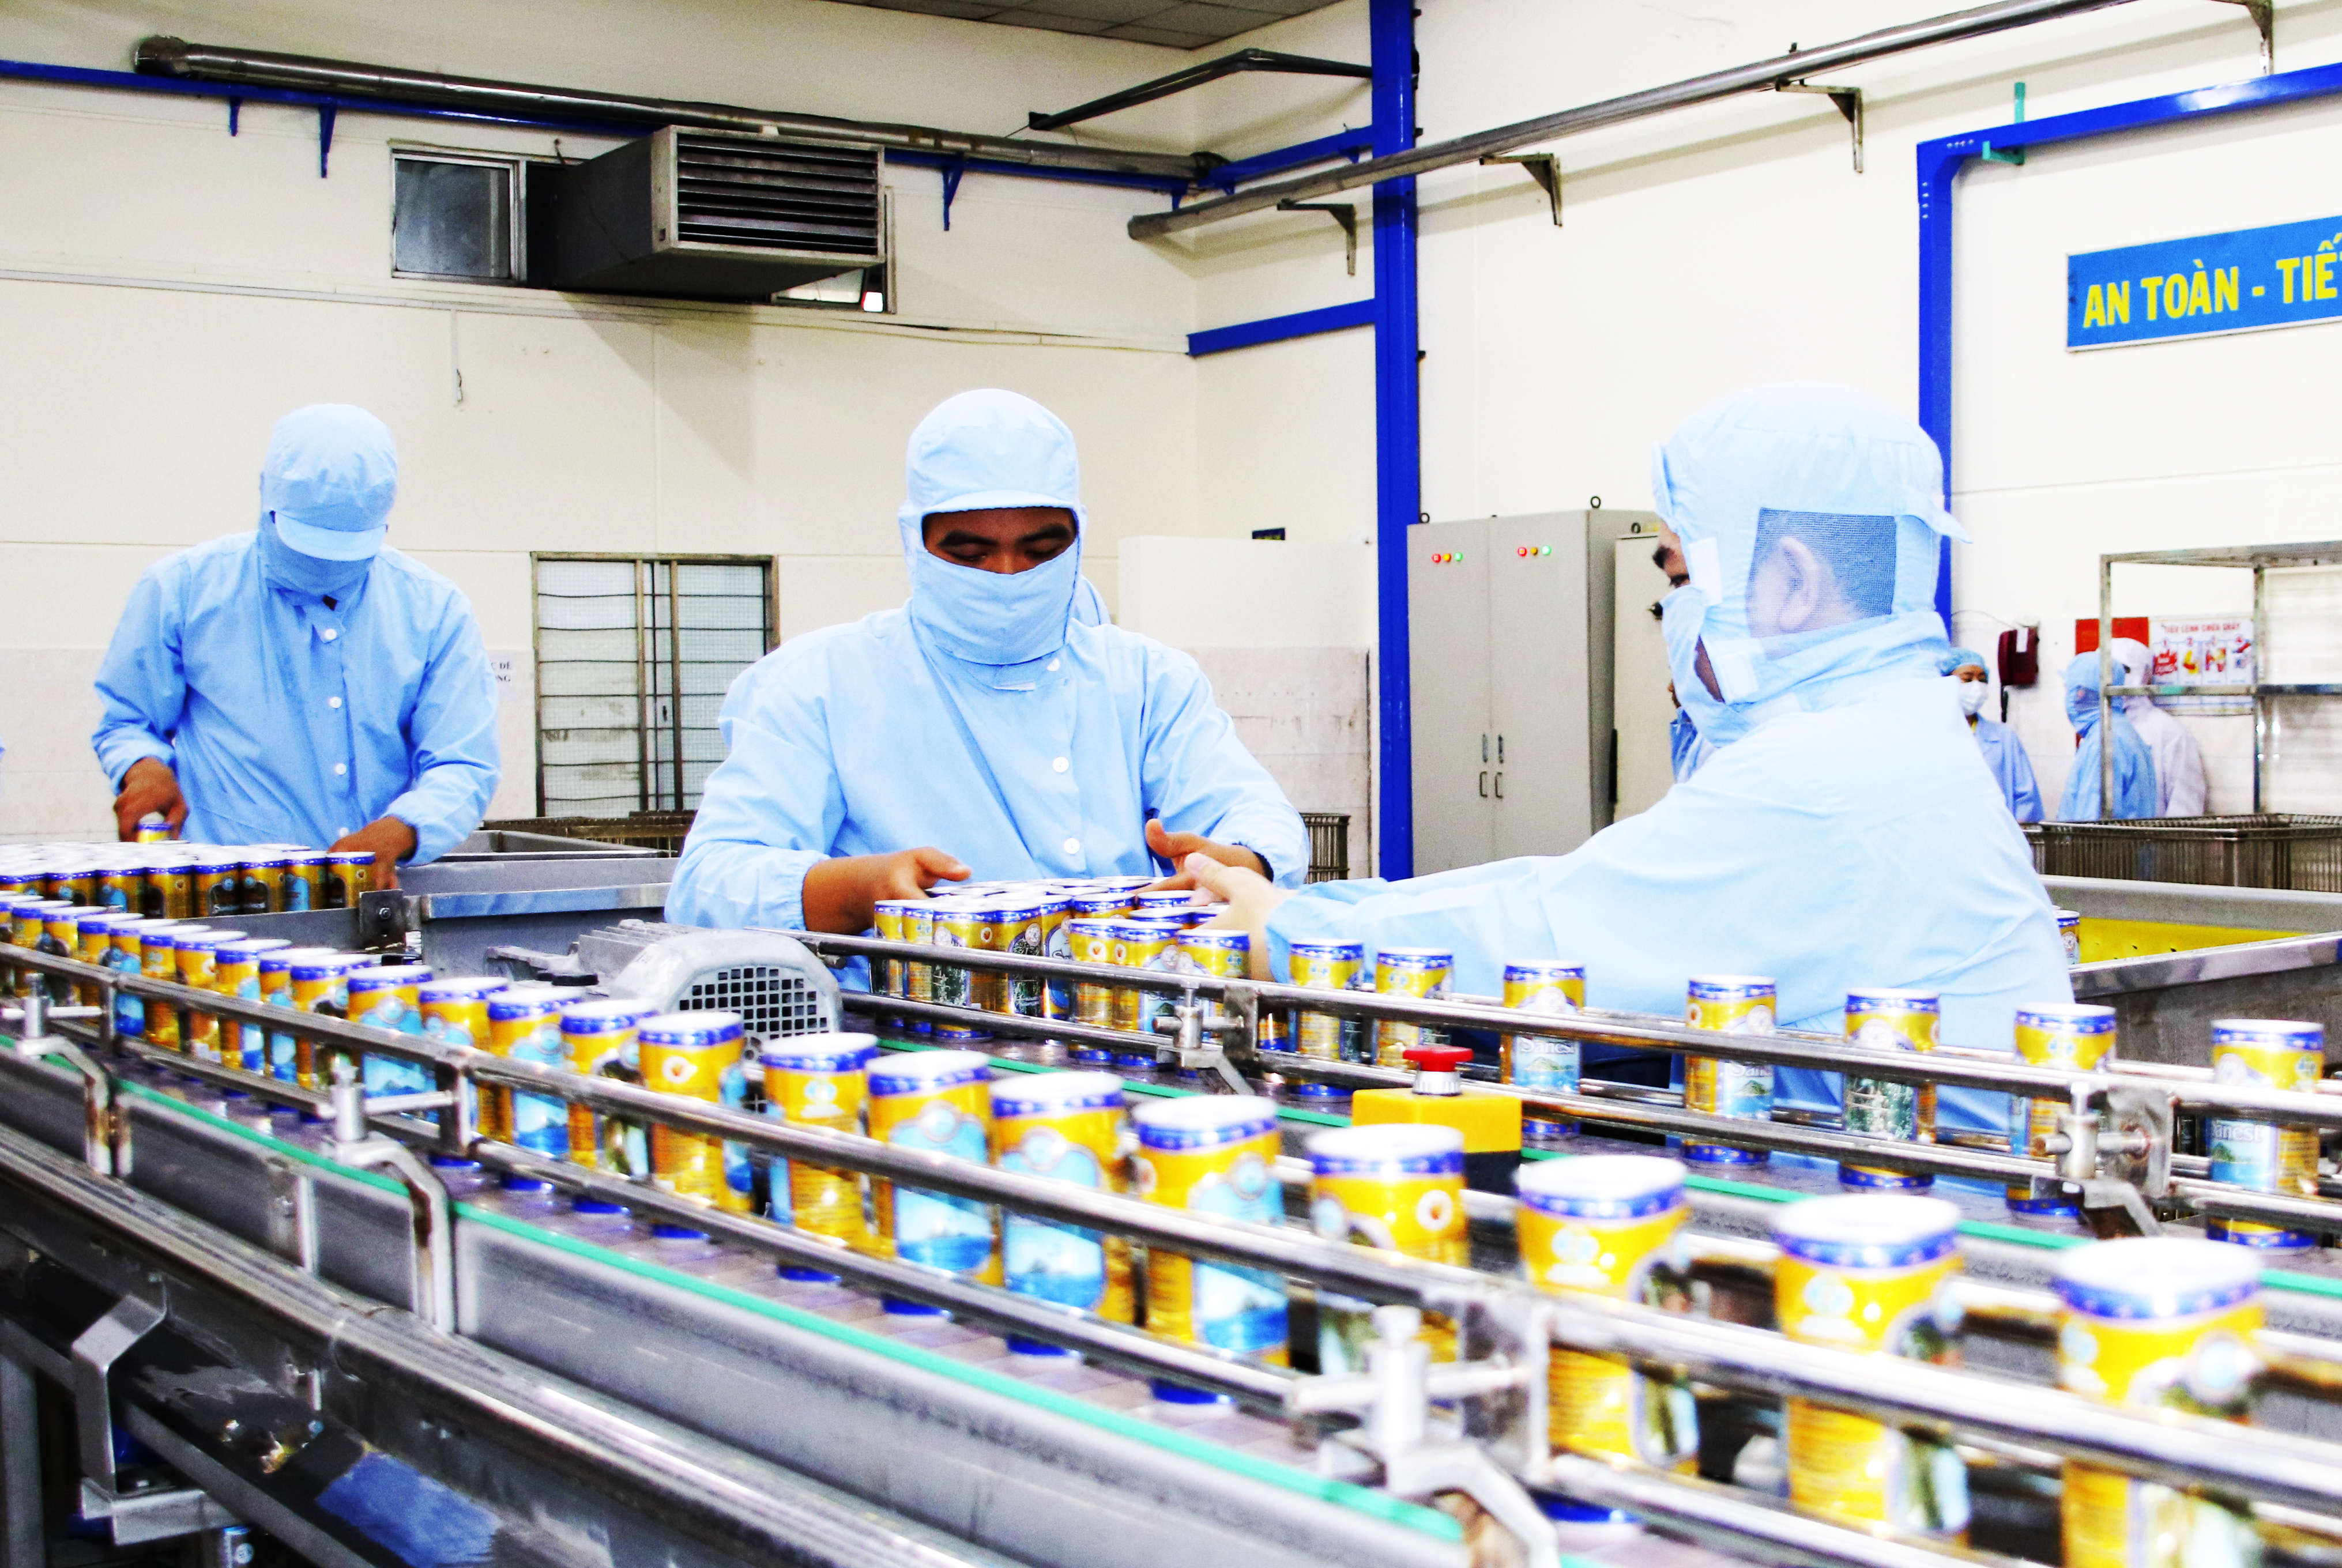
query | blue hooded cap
(329,481)
(1861,487)
(982,451)
(1960,659)
(2134,764)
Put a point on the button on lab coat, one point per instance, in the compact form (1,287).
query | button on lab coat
(841,743)
(288,721)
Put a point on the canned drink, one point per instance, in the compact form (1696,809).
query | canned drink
(524,1025)
(2076,1034)
(820,1081)
(455,1009)
(959,923)
(1056,942)
(1882,1020)
(195,953)
(1099,905)
(2069,931)
(83,931)
(215,886)
(349,873)
(1213,1154)
(918,975)
(1068,1127)
(1417,972)
(321,985)
(153,828)
(1161,899)
(598,1040)
(1327,966)
(304,884)
(1016,927)
(1543,1060)
(285,1055)
(1090,939)
(72,881)
(1862,1272)
(389,996)
(170,892)
(264,883)
(236,973)
(887,920)
(2156,1322)
(1144,943)
(1742,1090)
(697,1055)
(1396,1187)
(1606,1225)
(122,884)
(2277,1053)
(936,1101)
(127,952)
(159,960)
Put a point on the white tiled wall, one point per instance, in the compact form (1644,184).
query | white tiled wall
(1306,713)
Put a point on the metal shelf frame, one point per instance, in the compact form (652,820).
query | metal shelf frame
(2260,560)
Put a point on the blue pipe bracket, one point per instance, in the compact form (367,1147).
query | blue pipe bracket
(1281,328)
(1941,161)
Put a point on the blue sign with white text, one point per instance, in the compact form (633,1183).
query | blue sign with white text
(2283,276)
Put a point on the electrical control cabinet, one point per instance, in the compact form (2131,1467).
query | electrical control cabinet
(1511,639)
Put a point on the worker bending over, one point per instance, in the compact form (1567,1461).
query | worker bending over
(2136,792)
(2004,754)
(985,726)
(2180,783)
(1845,833)
(302,684)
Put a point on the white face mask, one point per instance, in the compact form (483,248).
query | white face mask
(1972,695)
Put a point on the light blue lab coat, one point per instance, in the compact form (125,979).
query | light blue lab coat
(2136,792)
(841,743)
(1861,844)
(2012,769)
(288,721)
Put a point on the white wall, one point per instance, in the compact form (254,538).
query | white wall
(166,291)
(1723,246)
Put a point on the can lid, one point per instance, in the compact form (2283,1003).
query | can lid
(1198,1120)
(2155,1277)
(527,1001)
(182,935)
(1544,968)
(1602,1186)
(1419,956)
(819,1053)
(2299,1032)
(455,986)
(1881,995)
(2087,1015)
(908,1072)
(288,957)
(605,1010)
(1867,1230)
(349,857)
(255,946)
(330,964)
(1410,1146)
(1226,941)
(381,974)
(1041,1093)
(205,938)
(1700,983)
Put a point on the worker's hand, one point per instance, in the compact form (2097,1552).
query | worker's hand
(1176,847)
(1251,899)
(388,840)
(839,893)
(148,786)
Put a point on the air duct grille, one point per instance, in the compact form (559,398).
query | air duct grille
(752,194)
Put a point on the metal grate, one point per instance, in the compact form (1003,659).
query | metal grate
(773,1003)
(634,656)
(777,195)
(2274,850)
(1329,844)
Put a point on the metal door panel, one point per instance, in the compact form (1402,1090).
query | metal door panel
(1538,684)
(1447,602)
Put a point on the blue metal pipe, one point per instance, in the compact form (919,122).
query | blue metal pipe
(1323,150)
(1399,427)
(1280,328)
(1939,165)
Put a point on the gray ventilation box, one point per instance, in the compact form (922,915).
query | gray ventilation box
(778,987)
(706,214)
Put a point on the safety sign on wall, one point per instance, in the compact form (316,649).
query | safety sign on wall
(2284,276)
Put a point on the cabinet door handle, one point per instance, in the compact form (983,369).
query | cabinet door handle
(1500,786)
(1484,784)
(1500,748)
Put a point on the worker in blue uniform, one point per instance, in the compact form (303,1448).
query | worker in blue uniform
(2136,792)
(302,684)
(986,727)
(2004,754)
(1844,834)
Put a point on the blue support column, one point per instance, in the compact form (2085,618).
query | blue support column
(1399,427)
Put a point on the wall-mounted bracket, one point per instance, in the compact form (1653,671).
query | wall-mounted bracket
(1545,168)
(1342,212)
(325,112)
(2264,15)
(2017,156)
(952,173)
(1849,103)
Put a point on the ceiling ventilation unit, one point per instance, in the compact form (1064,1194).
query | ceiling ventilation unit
(706,214)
